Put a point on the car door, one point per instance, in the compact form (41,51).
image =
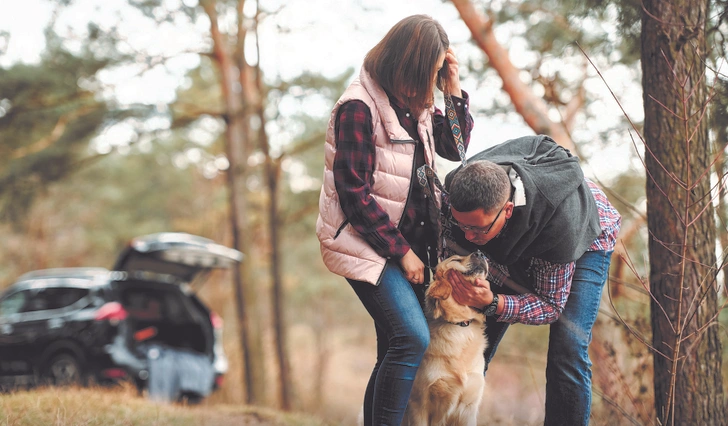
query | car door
(181,255)
(22,329)
(11,332)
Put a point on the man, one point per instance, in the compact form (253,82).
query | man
(549,234)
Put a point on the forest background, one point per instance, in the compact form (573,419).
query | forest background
(120,118)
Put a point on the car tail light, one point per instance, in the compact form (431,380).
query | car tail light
(113,373)
(216,321)
(112,311)
(219,379)
(145,334)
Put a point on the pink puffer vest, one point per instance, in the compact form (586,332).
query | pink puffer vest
(344,251)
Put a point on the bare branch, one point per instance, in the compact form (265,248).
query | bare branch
(55,134)
(634,332)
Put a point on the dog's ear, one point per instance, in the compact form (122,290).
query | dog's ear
(439,289)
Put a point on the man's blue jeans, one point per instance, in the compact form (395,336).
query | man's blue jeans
(568,368)
(402,337)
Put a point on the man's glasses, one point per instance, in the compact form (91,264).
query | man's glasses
(476,229)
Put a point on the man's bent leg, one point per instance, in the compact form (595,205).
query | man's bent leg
(568,369)
(494,332)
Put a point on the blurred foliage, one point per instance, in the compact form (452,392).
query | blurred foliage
(554,32)
(46,120)
(88,217)
(48,114)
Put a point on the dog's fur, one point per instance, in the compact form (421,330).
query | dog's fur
(449,383)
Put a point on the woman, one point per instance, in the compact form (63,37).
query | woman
(374,223)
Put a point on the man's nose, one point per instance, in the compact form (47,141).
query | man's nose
(470,235)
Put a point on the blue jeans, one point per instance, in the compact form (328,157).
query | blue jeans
(568,368)
(402,337)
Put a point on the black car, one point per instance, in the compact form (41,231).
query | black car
(139,321)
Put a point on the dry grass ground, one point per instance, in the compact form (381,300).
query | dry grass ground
(122,407)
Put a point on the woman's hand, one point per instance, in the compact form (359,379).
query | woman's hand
(451,73)
(477,295)
(413,268)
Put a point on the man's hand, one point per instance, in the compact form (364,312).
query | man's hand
(465,293)
(413,268)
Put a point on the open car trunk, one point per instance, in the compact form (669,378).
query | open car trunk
(167,326)
(156,268)
(181,255)
(162,314)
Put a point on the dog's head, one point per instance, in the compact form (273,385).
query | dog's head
(439,294)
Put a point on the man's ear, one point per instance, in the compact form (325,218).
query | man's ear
(439,289)
(509,209)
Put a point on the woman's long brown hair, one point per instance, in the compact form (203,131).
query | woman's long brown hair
(404,61)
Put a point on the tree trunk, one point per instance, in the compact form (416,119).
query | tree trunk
(721,169)
(687,361)
(321,367)
(533,109)
(273,173)
(253,87)
(237,135)
(720,129)
(279,319)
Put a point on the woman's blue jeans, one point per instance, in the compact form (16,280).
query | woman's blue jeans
(402,337)
(568,368)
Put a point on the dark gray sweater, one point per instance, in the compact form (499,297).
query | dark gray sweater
(560,219)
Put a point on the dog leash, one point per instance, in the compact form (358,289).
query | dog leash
(427,177)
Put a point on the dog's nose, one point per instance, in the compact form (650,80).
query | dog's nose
(479,254)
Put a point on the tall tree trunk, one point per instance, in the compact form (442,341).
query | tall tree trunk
(273,176)
(322,338)
(720,129)
(253,82)
(688,384)
(237,135)
(285,385)
(533,109)
(721,170)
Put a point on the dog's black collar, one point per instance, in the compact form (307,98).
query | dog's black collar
(462,323)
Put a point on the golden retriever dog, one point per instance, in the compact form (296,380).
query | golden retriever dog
(449,384)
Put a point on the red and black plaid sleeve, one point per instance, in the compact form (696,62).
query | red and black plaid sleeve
(552,284)
(353,168)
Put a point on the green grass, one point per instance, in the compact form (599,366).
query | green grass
(122,406)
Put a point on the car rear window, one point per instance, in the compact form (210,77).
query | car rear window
(149,303)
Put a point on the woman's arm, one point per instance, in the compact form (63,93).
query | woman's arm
(353,168)
(444,140)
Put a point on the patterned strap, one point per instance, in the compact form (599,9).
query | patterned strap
(427,176)
(452,117)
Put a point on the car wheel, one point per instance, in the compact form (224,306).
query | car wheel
(64,370)
(190,398)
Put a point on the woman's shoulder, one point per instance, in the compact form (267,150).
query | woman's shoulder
(355,105)
(354,110)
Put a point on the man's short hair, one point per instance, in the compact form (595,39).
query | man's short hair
(479,185)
